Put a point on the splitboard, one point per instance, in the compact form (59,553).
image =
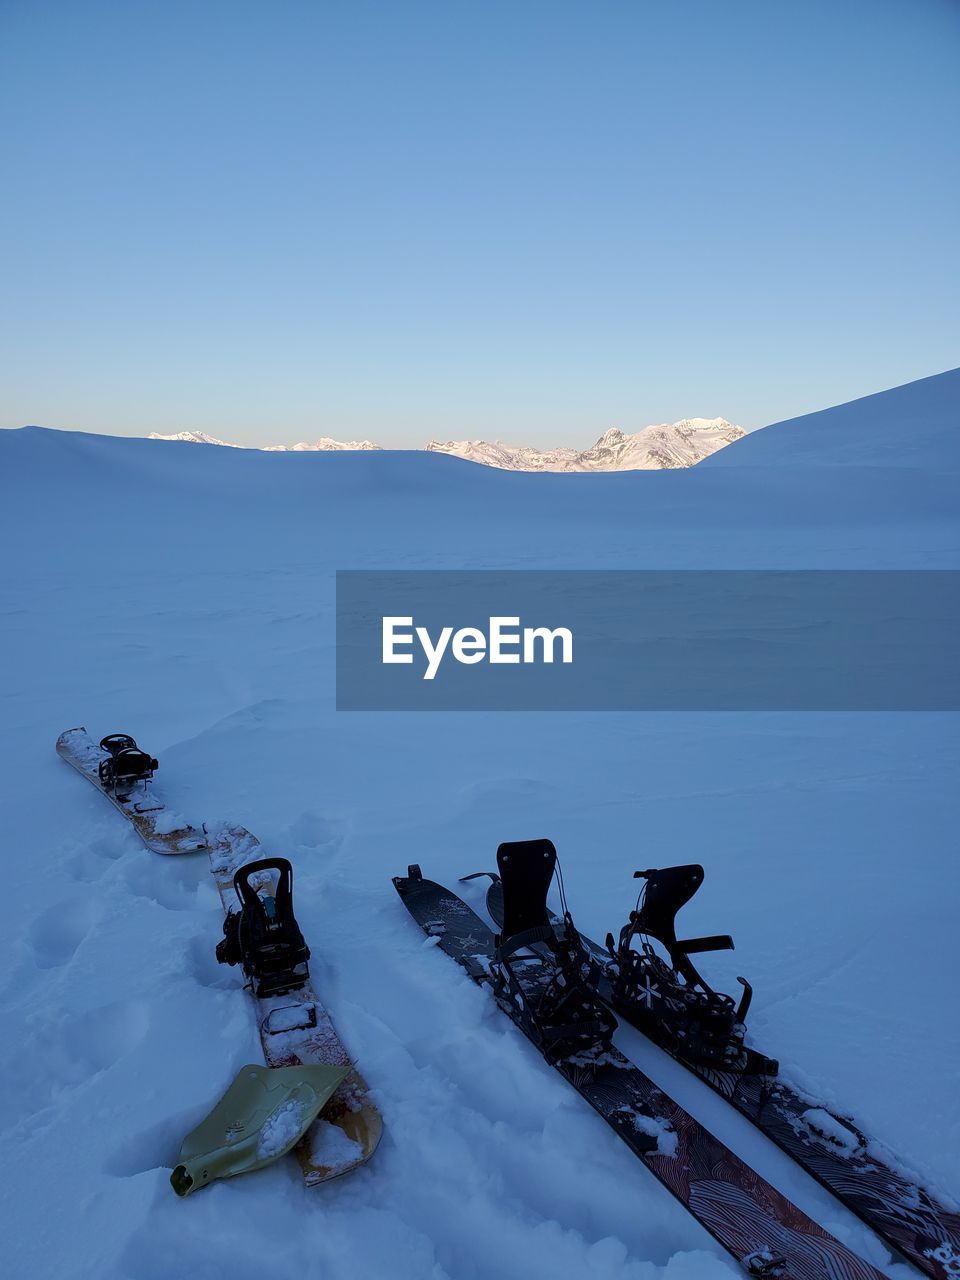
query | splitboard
(161,830)
(295,1030)
(830,1147)
(767,1234)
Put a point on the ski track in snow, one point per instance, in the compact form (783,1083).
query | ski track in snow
(828,843)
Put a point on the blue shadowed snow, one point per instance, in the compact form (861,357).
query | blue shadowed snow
(184,593)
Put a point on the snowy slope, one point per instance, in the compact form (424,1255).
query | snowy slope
(186,596)
(655,448)
(914,425)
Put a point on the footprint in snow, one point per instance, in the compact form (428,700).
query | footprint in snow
(58,1053)
(170,882)
(155,1147)
(202,962)
(91,858)
(313,831)
(99,1038)
(56,933)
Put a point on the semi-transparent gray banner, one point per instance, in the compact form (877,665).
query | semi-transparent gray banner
(625,640)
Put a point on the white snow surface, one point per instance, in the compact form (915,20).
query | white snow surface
(655,1127)
(281,1129)
(823,1126)
(186,596)
(331,1146)
(166,823)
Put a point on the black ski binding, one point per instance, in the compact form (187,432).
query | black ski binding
(672,1003)
(263,936)
(552,994)
(126,765)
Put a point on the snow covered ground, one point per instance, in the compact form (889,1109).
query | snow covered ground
(185,594)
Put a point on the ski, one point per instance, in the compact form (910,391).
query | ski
(262,936)
(547,993)
(122,772)
(694,1025)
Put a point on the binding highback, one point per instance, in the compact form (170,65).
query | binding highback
(264,936)
(561,1013)
(666,890)
(526,870)
(282,896)
(673,1003)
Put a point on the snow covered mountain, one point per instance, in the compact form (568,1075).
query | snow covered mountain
(192,437)
(324,445)
(655,448)
(187,596)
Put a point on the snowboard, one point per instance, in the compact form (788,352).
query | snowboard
(296,1030)
(828,1146)
(159,828)
(763,1231)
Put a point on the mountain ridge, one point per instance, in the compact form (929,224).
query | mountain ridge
(661,446)
(658,447)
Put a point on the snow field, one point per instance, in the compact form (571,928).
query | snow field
(185,594)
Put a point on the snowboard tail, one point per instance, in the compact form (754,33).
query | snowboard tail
(260,1118)
(159,829)
(296,1029)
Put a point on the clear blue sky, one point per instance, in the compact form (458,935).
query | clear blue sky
(533,221)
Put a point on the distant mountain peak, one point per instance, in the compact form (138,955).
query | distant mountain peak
(661,447)
(192,437)
(324,445)
(655,448)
